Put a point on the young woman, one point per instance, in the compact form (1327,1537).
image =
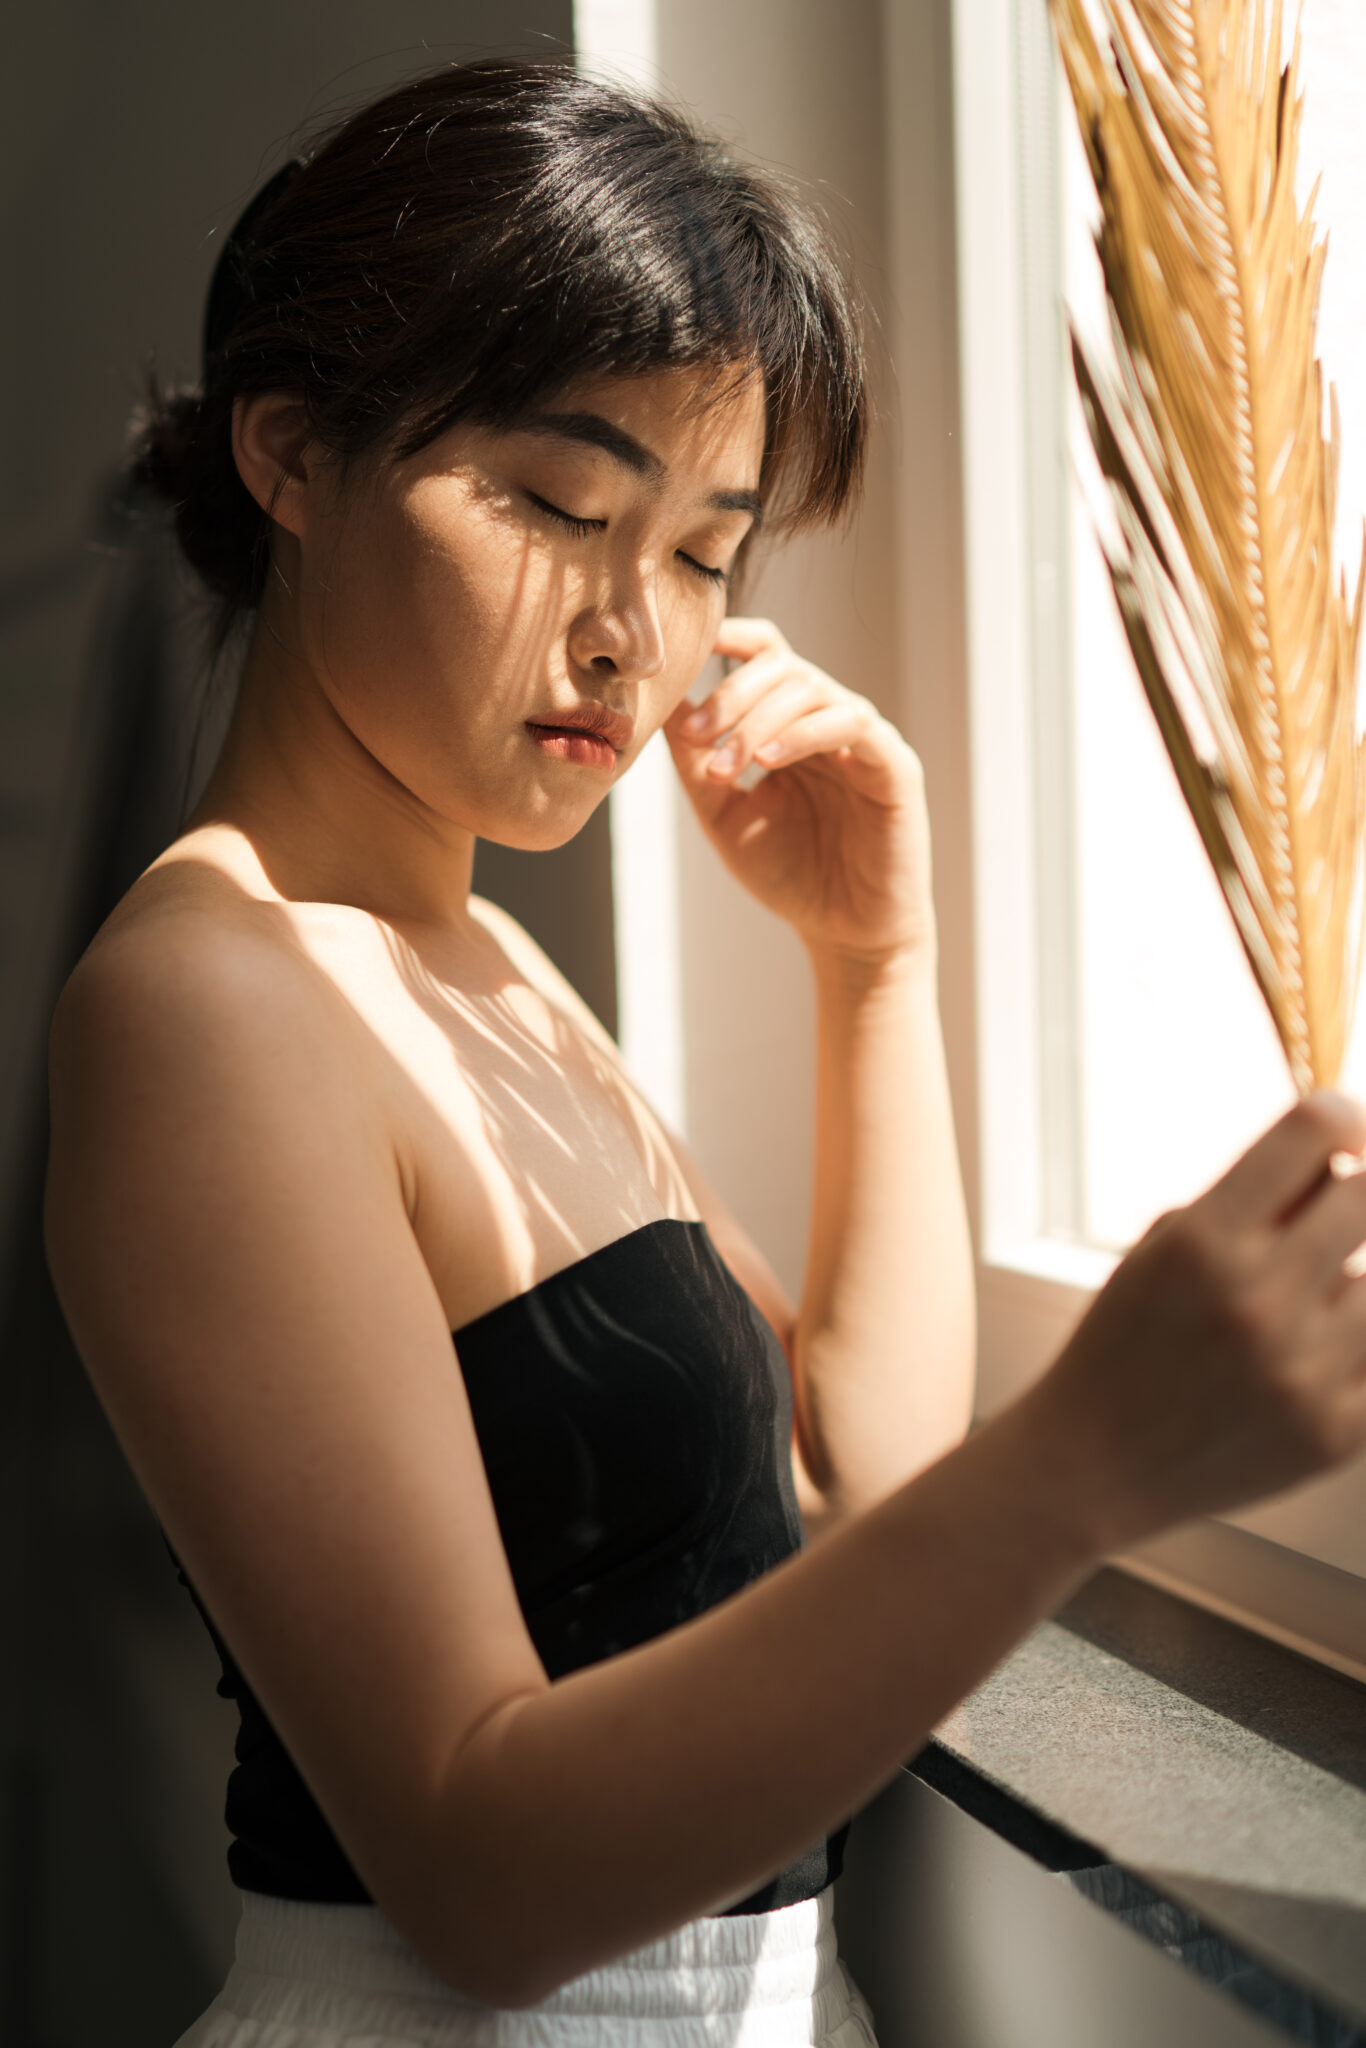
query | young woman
(550,1720)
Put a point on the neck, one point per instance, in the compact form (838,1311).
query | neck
(327,821)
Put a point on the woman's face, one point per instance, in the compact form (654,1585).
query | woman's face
(454,607)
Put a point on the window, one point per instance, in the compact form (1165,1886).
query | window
(1125,1056)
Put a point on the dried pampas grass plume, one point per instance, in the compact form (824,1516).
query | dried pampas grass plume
(1208,429)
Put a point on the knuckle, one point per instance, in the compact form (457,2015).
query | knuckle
(857,709)
(1320,1115)
(1189,1247)
(1311,1117)
(1162,1223)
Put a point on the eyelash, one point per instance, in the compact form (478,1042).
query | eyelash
(583,527)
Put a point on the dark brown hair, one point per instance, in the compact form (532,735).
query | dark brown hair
(470,242)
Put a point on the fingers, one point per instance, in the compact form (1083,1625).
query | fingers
(1225,1358)
(1299,1220)
(762,732)
(740,639)
(736,695)
(823,732)
(1327,1228)
(775,708)
(1278,1175)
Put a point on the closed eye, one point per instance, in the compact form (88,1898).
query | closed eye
(566,519)
(583,527)
(701,569)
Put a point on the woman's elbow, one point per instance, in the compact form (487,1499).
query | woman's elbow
(504,1968)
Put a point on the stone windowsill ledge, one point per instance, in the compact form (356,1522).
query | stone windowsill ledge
(1223,1771)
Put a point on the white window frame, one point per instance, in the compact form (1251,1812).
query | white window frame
(971,514)
(1294,1568)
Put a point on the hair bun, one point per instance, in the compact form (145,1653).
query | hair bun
(182,454)
(181,449)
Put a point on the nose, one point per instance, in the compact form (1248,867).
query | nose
(618,632)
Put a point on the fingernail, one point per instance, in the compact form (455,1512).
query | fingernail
(769,751)
(723,760)
(696,721)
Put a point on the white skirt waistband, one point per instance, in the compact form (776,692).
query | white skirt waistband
(325,1976)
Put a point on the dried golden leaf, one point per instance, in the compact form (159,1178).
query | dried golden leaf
(1207,425)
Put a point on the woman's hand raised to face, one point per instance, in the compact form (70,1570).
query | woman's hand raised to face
(835,839)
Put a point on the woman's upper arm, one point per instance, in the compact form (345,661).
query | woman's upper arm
(229,1239)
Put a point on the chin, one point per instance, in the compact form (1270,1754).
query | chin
(537,835)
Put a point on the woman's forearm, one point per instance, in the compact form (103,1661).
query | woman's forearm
(591,1816)
(885,1343)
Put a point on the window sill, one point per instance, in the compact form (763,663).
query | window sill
(1057,1261)
(1221,1769)
(1293,1567)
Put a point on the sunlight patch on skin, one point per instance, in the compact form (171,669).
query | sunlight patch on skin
(383,729)
(513,1074)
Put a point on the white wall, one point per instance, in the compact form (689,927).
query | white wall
(798,85)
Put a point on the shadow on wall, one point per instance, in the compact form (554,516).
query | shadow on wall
(116,1913)
(115,1747)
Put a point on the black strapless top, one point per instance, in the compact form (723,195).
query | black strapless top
(634,1413)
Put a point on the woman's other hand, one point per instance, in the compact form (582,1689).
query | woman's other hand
(835,839)
(1225,1358)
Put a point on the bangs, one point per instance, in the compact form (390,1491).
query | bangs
(551,228)
(468,245)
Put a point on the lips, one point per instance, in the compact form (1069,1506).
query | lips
(572,743)
(612,726)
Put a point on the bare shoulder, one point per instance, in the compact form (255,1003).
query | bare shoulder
(194,1041)
(182,926)
(229,1240)
(191,978)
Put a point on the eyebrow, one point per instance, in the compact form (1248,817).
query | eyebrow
(596,432)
